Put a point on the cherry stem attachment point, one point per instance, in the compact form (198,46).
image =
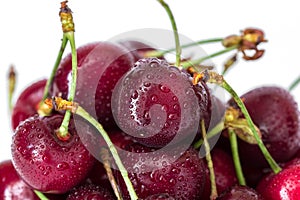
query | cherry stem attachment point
(174,26)
(40,195)
(214,77)
(214,192)
(235,156)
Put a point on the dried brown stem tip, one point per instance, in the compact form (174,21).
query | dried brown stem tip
(12,79)
(66,18)
(60,104)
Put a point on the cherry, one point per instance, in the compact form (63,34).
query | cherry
(45,162)
(155,102)
(89,192)
(284,185)
(164,196)
(13,187)
(154,172)
(137,48)
(100,66)
(27,102)
(275,112)
(224,170)
(238,192)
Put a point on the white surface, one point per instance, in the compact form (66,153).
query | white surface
(31,32)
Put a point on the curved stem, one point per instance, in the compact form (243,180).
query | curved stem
(187,64)
(40,195)
(294,84)
(275,167)
(235,157)
(56,64)
(81,112)
(174,26)
(63,129)
(160,53)
(213,132)
(214,192)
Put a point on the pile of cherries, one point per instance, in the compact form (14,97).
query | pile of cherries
(152,111)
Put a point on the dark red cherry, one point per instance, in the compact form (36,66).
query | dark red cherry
(137,48)
(14,188)
(275,112)
(100,66)
(46,163)
(179,173)
(238,192)
(11,185)
(160,197)
(90,192)
(155,102)
(284,185)
(27,102)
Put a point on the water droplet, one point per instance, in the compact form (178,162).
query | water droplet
(150,76)
(165,108)
(172,116)
(62,166)
(189,91)
(176,107)
(154,98)
(164,88)
(135,95)
(173,75)
(153,64)
(40,136)
(147,84)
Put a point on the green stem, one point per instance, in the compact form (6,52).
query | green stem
(214,192)
(213,132)
(236,158)
(81,112)
(187,64)
(275,167)
(174,26)
(63,129)
(56,64)
(160,53)
(40,195)
(294,84)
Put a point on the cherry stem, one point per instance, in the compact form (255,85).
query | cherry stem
(11,86)
(213,132)
(63,129)
(275,167)
(190,63)
(160,53)
(105,158)
(56,64)
(174,26)
(294,84)
(214,192)
(235,157)
(40,195)
(81,112)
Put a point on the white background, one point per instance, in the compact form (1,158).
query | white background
(30,36)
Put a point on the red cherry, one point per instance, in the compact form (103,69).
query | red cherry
(46,163)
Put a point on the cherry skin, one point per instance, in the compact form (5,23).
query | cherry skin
(100,66)
(154,102)
(27,102)
(284,185)
(275,112)
(159,172)
(89,192)
(238,192)
(45,162)
(160,197)
(14,188)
